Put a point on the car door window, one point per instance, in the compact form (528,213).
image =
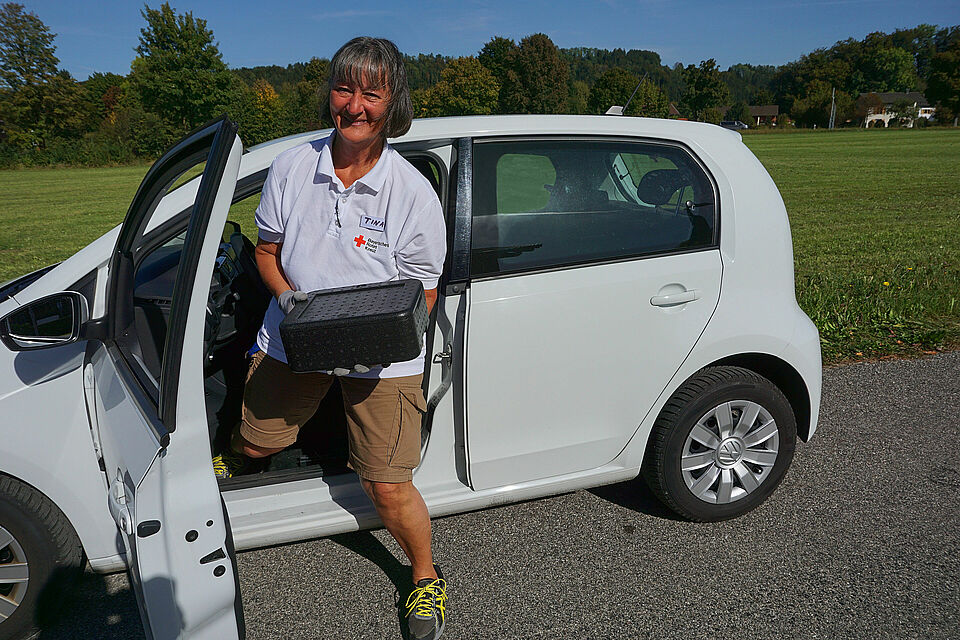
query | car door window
(153,292)
(552,203)
(156,274)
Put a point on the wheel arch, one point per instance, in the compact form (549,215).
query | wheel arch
(43,538)
(89,520)
(784,376)
(72,533)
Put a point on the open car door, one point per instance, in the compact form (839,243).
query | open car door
(147,409)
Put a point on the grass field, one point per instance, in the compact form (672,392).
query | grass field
(875,218)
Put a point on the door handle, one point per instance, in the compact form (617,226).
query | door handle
(118,505)
(673,299)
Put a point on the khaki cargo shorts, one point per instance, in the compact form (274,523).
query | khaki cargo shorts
(383,415)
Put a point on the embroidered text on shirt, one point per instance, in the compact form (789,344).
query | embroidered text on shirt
(374,224)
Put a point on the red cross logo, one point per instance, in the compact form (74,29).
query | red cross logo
(360,241)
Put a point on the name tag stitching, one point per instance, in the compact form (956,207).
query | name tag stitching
(374,224)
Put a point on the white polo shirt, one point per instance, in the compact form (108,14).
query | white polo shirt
(388,225)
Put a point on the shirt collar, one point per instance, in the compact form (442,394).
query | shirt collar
(373,180)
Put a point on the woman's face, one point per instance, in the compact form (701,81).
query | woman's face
(358,111)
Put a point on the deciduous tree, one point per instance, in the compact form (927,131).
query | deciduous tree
(466,87)
(616,86)
(36,101)
(704,92)
(888,69)
(263,120)
(499,57)
(739,111)
(26,48)
(532,76)
(943,85)
(105,90)
(542,72)
(762,97)
(613,87)
(649,101)
(58,107)
(814,107)
(179,73)
(578,97)
(307,107)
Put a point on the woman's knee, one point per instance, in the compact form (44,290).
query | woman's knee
(386,493)
(254,451)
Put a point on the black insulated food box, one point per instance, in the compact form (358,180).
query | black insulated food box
(368,324)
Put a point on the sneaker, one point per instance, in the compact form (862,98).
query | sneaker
(229,464)
(426,609)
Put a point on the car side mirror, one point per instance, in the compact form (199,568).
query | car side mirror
(50,321)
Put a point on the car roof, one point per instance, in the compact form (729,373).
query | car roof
(450,128)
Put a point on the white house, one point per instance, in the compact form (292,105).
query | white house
(917,99)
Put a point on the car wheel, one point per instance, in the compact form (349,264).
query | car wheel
(721,444)
(40,555)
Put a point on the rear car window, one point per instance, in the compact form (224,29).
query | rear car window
(550,203)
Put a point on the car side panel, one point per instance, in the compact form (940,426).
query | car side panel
(757,252)
(562,365)
(46,442)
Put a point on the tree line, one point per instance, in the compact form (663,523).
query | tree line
(178,80)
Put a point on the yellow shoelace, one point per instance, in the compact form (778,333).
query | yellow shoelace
(226,464)
(218,464)
(423,600)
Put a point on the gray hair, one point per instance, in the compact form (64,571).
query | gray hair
(379,62)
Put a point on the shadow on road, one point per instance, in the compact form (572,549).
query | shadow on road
(98,606)
(636,496)
(365,544)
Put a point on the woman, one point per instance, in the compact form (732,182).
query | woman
(343,211)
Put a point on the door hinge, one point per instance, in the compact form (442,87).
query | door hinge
(446,354)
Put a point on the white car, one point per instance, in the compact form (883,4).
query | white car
(618,299)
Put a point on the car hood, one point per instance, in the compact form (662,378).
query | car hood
(13,287)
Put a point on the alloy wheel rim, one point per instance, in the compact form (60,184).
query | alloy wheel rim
(730,452)
(14,574)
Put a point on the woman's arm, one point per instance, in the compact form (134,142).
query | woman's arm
(267,255)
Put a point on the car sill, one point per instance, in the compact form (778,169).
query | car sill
(262,516)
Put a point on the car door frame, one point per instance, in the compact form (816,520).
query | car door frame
(193,554)
(461,278)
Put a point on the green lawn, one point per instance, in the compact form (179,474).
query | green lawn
(875,218)
(876,230)
(47,215)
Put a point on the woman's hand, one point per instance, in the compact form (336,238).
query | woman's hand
(289,298)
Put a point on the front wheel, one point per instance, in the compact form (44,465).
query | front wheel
(40,556)
(721,445)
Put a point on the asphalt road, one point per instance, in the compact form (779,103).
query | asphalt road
(862,540)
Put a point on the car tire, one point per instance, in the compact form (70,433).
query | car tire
(34,532)
(721,444)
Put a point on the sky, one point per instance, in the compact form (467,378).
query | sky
(101,35)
